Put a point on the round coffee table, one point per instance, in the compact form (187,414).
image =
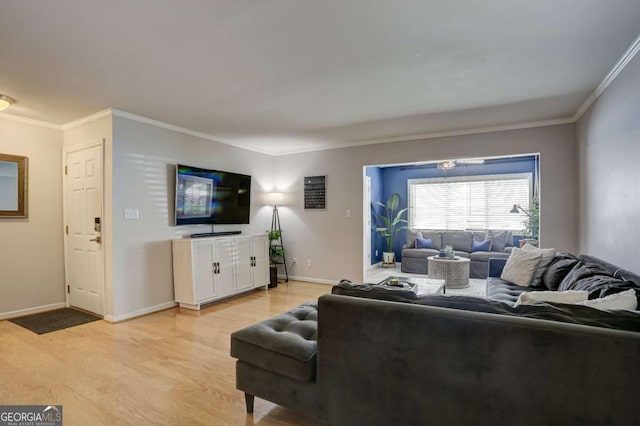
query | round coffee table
(454,271)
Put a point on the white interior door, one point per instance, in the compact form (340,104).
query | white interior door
(84,259)
(366,220)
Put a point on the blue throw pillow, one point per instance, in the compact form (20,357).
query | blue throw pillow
(424,243)
(481,245)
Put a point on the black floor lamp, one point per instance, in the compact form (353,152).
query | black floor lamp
(276,246)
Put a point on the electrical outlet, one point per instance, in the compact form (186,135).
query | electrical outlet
(376,252)
(295,261)
(348,212)
(309,263)
(131,214)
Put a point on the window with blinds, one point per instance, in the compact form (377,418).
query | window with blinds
(469,202)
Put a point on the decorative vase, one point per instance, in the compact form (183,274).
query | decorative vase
(388,257)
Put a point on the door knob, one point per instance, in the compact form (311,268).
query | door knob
(97,239)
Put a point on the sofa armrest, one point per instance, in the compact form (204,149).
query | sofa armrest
(496,266)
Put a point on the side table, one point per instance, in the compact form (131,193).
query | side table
(454,271)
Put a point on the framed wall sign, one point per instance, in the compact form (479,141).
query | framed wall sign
(13,186)
(315,192)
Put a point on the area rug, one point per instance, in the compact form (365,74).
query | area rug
(46,322)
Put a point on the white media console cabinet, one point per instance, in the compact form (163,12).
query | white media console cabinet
(212,268)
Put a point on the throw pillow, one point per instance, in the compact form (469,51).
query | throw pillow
(625,300)
(481,245)
(424,243)
(498,240)
(547,257)
(435,237)
(411,237)
(569,296)
(580,272)
(521,267)
(509,242)
(559,267)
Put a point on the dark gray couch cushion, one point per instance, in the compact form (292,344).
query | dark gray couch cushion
(419,253)
(484,256)
(558,269)
(504,291)
(459,240)
(285,344)
(499,239)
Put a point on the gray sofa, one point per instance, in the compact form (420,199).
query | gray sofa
(444,360)
(414,260)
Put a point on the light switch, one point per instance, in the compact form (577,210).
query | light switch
(348,212)
(131,214)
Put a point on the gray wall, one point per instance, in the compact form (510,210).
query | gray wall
(609,153)
(333,241)
(144,159)
(31,249)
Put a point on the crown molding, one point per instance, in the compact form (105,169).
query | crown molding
(88,119)
(29,121)
(183,130)
(626,57)
(435,135)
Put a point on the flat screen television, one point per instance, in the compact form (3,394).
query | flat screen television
(211,196)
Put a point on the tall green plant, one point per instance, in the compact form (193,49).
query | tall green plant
(392,221)
(532,222)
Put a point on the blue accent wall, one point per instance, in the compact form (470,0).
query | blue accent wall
(394,179)
(375,173)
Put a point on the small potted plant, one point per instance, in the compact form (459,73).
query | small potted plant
(276,253)
(393,222)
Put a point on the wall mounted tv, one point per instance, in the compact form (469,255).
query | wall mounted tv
(211,196)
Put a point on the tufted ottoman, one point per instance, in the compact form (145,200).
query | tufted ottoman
(277,359)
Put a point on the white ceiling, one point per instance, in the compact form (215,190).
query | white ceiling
(294,75)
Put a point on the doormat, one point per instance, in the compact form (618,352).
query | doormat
(46,322)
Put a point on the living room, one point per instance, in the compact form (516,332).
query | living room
(587,147)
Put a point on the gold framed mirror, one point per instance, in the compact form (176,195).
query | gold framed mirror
(13,185)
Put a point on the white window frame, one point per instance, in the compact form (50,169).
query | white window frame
(474,178)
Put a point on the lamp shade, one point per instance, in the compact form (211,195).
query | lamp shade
(276,198)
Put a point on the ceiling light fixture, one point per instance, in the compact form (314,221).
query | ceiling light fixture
(446,165)
(6,102)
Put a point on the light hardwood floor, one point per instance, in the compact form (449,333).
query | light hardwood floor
(171,367)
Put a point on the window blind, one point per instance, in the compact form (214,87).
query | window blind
(469,202)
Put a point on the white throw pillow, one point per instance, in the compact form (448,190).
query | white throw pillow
(623,300)
(521,267)
(547,257)
(569,296)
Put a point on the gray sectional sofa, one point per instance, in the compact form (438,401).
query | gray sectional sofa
(388,357)
(414,260)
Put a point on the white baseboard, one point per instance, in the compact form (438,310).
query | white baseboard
(140,312)
(29,311)
(310,280)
